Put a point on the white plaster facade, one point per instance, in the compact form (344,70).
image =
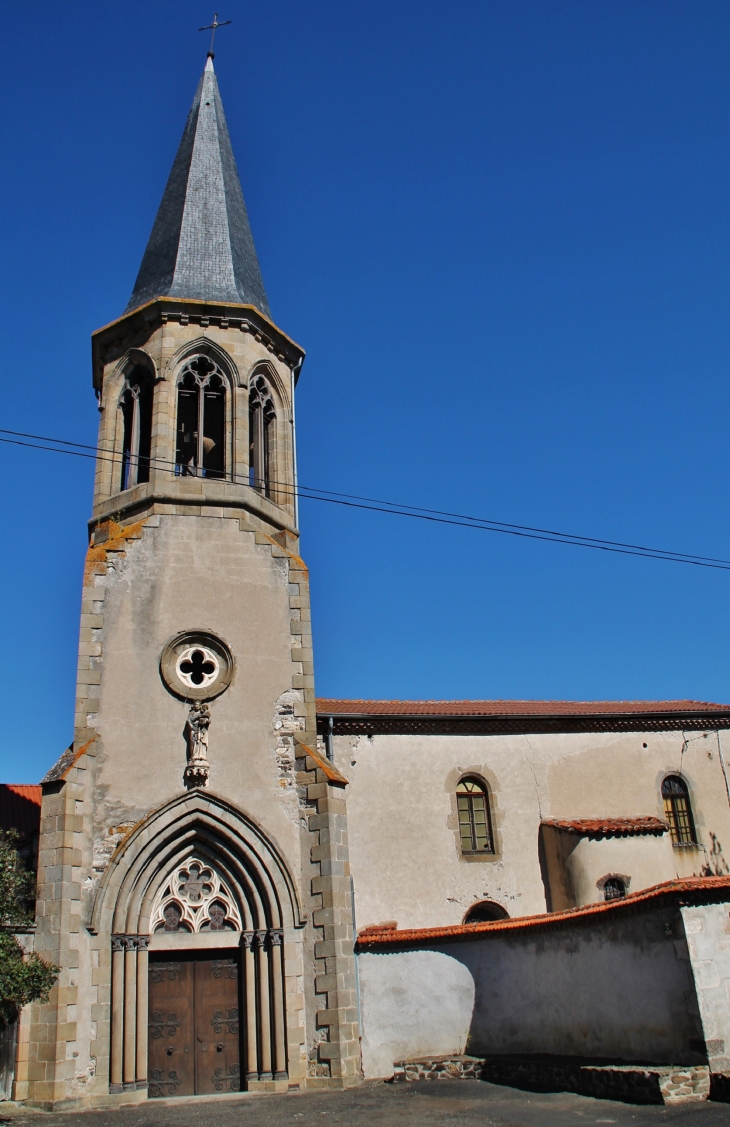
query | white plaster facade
(404,844)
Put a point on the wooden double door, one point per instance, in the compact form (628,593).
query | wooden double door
(194,1029)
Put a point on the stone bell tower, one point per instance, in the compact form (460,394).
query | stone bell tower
(193,876)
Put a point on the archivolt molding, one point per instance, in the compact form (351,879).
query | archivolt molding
(203,346)
(132,357)
(268,370)
(204,825)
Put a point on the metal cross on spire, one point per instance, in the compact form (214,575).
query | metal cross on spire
(213,27)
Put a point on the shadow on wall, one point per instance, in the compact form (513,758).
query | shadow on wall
(715,864)
(607,989)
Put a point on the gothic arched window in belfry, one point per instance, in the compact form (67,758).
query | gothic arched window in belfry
(136,408)
(201,420)
(261,417)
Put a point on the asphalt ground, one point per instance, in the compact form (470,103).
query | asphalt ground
(420,1104)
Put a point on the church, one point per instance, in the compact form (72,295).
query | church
(251,889)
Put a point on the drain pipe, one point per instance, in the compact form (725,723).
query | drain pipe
(722,764)
(328,734)
(357,969)
(294,378)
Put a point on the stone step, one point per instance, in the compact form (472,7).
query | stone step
(439,1068)
(650,1084)
(628,1083)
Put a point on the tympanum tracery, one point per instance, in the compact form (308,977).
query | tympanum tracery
(195,898)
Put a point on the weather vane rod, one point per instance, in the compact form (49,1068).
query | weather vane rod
(213,27)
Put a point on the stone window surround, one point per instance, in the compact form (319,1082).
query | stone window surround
(481,775)
(205,640)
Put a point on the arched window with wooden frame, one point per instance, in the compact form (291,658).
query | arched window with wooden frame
(475,821)
(261,422)
(201,420)
(678,810)
(136,407)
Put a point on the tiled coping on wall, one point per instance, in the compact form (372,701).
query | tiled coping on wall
(683,891)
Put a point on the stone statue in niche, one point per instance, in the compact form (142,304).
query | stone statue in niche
(197,770)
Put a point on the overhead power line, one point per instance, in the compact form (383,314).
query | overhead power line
(395,508)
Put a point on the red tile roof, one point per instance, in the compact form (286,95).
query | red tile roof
(609,827)
(327,706)
(708,889)
(20,808)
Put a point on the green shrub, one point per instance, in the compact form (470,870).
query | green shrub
(23,978)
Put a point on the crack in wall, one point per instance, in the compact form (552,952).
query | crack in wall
(533,771)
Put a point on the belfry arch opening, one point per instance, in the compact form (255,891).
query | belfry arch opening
(135,405)
(200,449)
(261,427)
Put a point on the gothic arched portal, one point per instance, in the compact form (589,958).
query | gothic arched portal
(198,903)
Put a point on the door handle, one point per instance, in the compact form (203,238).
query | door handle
(220,1046)
(170,1050)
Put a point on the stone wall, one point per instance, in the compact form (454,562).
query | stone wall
(176,554)
(608,988)
(707,928)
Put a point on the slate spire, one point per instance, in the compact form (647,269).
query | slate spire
(201,244)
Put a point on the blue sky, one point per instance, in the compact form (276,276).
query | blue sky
(501,230)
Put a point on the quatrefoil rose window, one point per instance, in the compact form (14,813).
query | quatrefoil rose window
(196,666)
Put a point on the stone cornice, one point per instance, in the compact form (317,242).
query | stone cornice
(144,500)
(113,339)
